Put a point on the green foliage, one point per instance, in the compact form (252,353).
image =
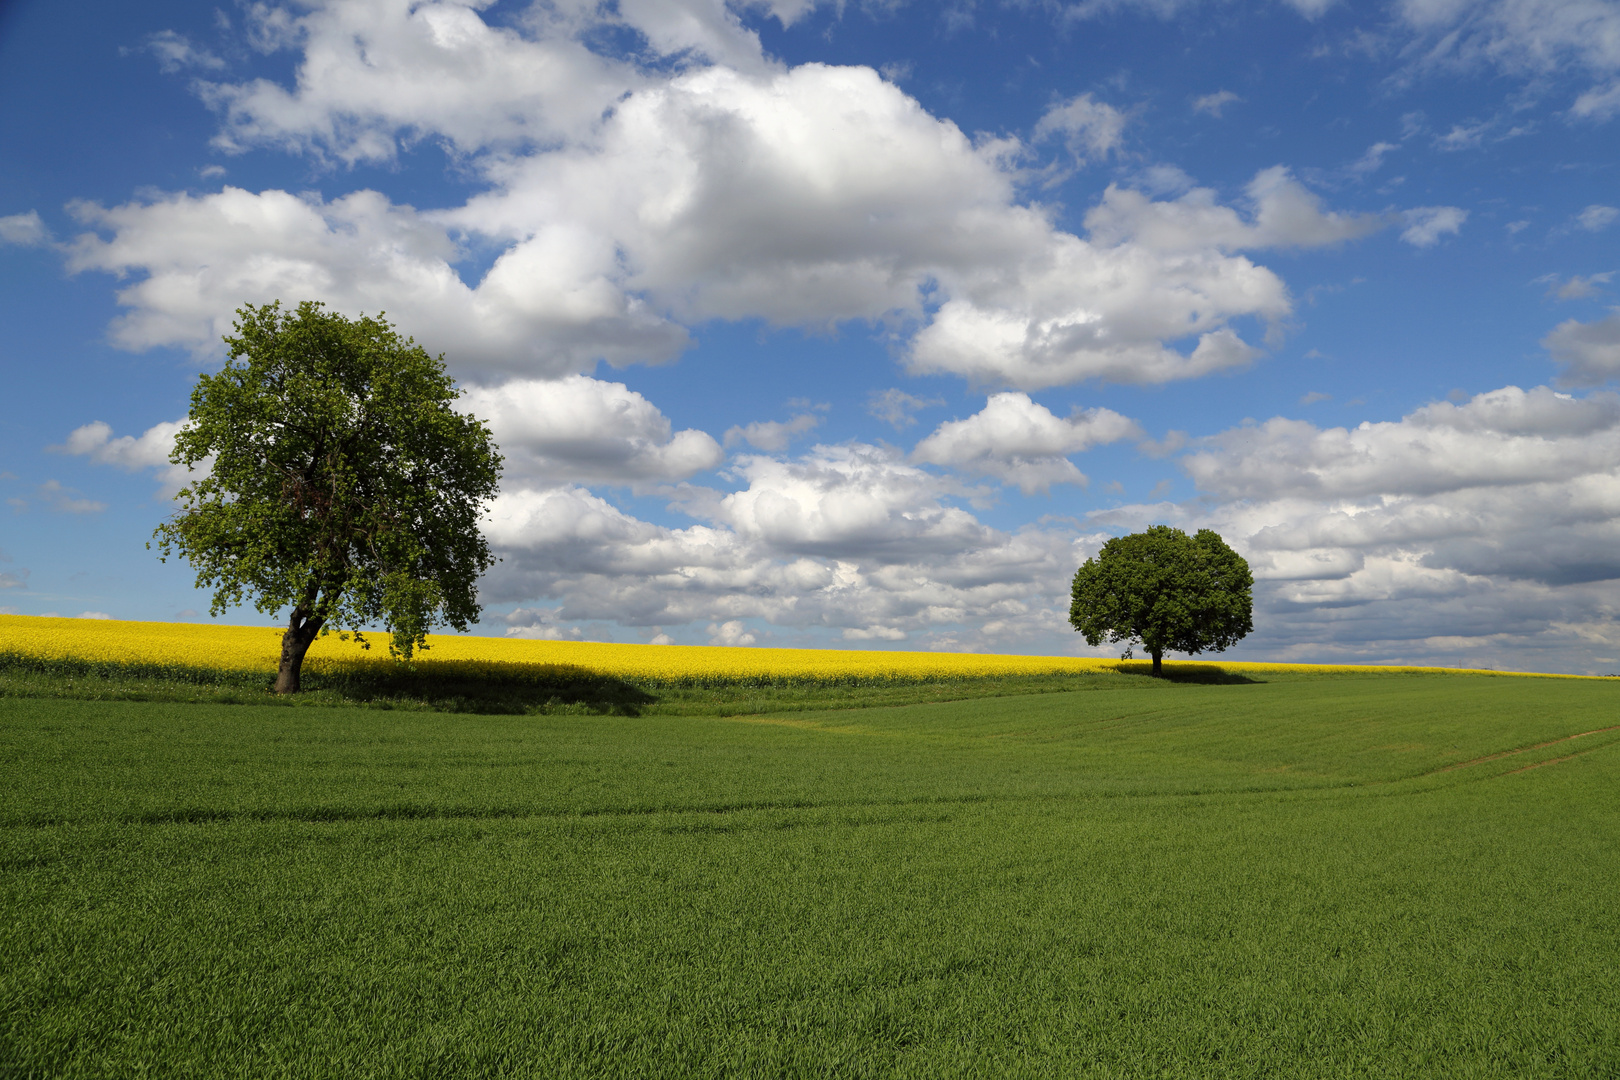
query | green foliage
(1159,880)
(338,481)
(1170,591)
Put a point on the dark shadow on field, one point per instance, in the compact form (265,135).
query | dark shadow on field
(556,687)
(537,688)
(1201,674)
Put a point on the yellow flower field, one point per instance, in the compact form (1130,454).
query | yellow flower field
(244,648)
(257,649)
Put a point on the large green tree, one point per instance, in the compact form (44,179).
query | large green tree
(1167,590)
(337,481)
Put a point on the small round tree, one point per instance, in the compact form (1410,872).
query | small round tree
(338,482)
(1167,590)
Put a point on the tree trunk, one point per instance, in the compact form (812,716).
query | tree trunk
(294,644)
(1158,668)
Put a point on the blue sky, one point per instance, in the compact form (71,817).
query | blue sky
(863,324)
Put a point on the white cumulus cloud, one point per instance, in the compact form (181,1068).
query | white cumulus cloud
(1597,217)
(1284,214)
(132,453)
(583,430)
(1427,224)
(1019,441)
(1483,532)
(629,200)
(24,230)
(1089,128)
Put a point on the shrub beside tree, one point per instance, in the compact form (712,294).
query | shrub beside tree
(338,482)
(1167,590)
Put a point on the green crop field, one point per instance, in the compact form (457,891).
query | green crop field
(1370,875)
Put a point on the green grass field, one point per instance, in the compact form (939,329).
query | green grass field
(1306,877)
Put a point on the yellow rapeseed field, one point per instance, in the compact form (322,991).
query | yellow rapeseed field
(256,649)
(245,648)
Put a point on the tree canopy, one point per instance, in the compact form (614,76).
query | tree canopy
(1167,590)
(337,481)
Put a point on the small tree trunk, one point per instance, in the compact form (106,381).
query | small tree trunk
(1158,667)
(294,644)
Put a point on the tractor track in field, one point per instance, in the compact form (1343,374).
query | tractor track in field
(1556,760)
(1527,749)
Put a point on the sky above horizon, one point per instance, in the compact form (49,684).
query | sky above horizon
(862,325)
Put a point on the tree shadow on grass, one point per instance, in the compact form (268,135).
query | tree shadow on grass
(560,689)
(1200,674)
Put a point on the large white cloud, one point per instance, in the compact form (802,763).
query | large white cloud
(550,433)
(852,501)
(1506,437)
(629,201)
(375,73)
(1486,532)
(1019,441)
(549,306)
(846,538)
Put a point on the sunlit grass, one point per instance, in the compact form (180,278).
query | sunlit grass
(1300,877)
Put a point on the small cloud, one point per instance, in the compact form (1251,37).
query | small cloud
(772,435)
(209,172)
(894,407)
(661,639)
(1161,489)
(1163,448)
(1598,103)
(1114,487)
(730,633)
(538,624)
(1373,159)
(1461,137)
(1596,218)
(1311,9)
(1426,224)
(24,230)
(875,633)
(1588,353)
(63,500)
(1089,128)
(1514,228)
(92,615)
(1577,287)
(19,580)
(897,71)
(188,613)
(1214,103)
(545,633)
(175,52)
(1165,180)
(1314,396)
